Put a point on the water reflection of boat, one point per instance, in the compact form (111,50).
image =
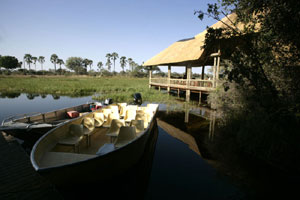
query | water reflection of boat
(33,126)
(92,155)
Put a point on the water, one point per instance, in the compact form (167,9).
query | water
(177,171)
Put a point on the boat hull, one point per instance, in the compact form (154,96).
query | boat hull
(99,168)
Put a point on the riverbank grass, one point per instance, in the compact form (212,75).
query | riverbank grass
(118,88)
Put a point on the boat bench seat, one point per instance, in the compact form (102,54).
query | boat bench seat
(52,159)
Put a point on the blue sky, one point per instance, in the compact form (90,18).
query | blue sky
(92,28)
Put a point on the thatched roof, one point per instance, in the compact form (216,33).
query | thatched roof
(188,51)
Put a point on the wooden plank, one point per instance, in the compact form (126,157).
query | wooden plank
(18,178)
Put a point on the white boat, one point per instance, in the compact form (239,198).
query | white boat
(95,146)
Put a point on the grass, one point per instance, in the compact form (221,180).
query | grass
(120,89)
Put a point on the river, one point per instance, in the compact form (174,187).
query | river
(179,169)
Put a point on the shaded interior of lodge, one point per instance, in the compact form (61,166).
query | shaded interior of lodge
(191,53)
(93,134)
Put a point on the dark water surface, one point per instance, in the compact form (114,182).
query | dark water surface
(174,172)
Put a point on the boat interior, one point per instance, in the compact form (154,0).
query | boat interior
(93,134)
(54,117)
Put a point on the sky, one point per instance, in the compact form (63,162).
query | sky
(137,29)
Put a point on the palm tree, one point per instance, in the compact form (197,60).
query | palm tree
(108,62)
(54,59)
(130,62)
(60,62)
(41,60)
(100,65)
(114,56)
(34,59)
(85,63)
(123,62)
(90,64)
(28,59)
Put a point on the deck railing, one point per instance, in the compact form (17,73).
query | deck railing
(183,83)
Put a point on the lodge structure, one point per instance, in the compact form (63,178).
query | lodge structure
(190,53)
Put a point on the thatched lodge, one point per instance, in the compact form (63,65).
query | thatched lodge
(190,53)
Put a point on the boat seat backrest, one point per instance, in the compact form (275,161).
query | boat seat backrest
(88,122)
(115,126)
(76,130)
(126,134)
(122,108)
(114,109)
(130,115)
(138,124)
(106,112)
(99,119)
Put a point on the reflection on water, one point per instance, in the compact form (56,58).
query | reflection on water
(183,166)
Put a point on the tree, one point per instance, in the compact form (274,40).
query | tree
(60,62)
(114,57)
(100,65)
(53,59)
(28,59)
(34,59)
(41,60)
(130,61)
(123,62)
(9,62)
(108,61)
(85,63)
(90,64)
(259,97)
(75,64)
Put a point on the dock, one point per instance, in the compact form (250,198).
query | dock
(18,179)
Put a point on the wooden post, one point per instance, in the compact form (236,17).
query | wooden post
(218,67)
(188,78)
(150,76)
(200,95)
(214,71)
(202,76)
(169,77)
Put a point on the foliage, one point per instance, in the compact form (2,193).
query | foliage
(9,62)
(75,64)
(54,59)
(120,88)
(260,97)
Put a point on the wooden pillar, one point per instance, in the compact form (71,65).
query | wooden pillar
(218,67)
(200,95)
(188,78)
(150,76)
(214,71)
(169,77)
(202,74)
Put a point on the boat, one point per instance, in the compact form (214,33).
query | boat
(95,147)
(32,126)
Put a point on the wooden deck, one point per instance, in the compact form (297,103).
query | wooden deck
(183,84)
(18,179)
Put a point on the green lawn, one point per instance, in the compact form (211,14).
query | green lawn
(118,88)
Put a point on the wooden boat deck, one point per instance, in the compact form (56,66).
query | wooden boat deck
(18,178)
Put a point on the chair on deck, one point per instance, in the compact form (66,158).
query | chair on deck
(122,108)
(88,127)
(139,126)
(142,116)
(130,115)
(73,137)
(106,112)
(114,129)
(126,135)
(111,116)
(114,109)
(99,119)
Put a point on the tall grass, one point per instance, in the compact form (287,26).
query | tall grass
(120,89)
